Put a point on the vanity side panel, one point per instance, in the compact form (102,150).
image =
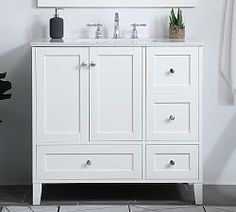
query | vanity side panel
(200,122)
(34,113)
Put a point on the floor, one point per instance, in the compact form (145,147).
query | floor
(118,198)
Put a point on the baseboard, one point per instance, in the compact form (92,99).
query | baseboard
(15,184)
(205,184)
(221,183)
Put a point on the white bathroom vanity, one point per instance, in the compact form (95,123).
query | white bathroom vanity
(117,111)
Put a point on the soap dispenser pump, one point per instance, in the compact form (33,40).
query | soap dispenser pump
(56,26)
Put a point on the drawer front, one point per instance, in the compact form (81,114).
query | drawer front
(172,162)
(172,117)
(89,162)
(172,69)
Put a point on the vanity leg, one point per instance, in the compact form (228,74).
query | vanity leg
(37,192)
(198,193)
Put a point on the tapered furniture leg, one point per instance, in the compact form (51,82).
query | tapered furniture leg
(37,193)
(198,194)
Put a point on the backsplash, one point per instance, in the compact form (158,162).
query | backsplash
(156,20)
(76,20)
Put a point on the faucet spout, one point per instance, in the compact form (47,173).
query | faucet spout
(116,34)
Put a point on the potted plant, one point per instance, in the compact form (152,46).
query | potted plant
(4,86)
(177,27)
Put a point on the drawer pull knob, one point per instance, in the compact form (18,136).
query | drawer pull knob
(93,64)
(84,64)
(172,163)
(172,71)
(172,117)
(88,163)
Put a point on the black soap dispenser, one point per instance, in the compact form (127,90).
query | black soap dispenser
(56,26)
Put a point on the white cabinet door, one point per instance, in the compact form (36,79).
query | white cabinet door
(62,94)
(172,117)
(115,93)
(172,69)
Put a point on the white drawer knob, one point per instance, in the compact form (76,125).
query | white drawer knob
(88,163)
(172,71)
(172,117)
(172,163)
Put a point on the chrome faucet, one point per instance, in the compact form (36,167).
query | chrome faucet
(99,32)
(135,31)
(116,34)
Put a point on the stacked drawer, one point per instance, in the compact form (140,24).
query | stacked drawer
(172,113)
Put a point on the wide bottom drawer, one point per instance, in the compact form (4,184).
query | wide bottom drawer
(172,162)
(89,162)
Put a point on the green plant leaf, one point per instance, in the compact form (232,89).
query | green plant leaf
(176,19)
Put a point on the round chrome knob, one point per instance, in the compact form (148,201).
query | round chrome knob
(172,118)
(88,163)
(172,71)
(93,64)
(172,163)
(84,64)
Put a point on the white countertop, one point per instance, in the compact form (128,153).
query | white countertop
(118,42)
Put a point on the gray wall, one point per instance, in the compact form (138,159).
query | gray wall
(21,22)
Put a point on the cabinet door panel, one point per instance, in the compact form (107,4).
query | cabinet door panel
(62,94)
(116,93)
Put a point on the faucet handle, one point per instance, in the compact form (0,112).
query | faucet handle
(135,31)
(94,25)
(99,33)
(134,24)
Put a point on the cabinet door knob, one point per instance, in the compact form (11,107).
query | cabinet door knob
(172,162)
(88,163)
(84,64)
(172,71)
(1,121)
(93,64)
(172,117)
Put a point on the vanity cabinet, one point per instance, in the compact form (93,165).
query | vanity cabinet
(117,114)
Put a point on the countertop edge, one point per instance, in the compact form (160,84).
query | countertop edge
(161,43)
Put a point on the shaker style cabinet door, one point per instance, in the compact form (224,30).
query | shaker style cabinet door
(62,94)
(115,93)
